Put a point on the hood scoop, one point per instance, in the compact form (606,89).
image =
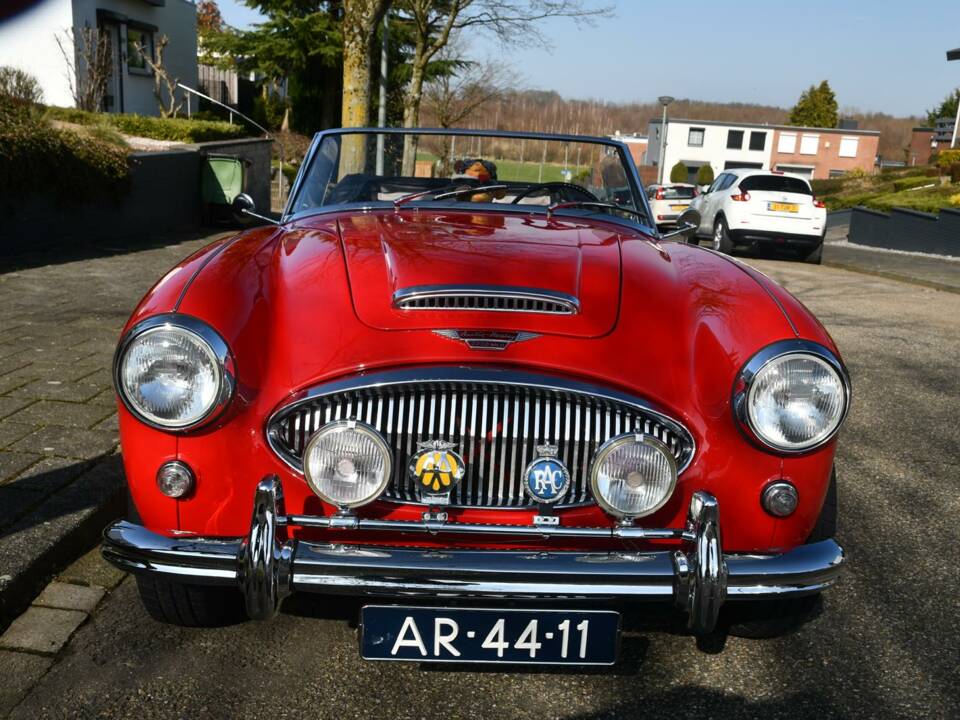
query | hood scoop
(489,298)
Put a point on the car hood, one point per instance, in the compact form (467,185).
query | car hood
(387,254)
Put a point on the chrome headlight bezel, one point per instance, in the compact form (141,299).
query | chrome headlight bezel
(613,444)
(744,383)
(210,341)
(378,440)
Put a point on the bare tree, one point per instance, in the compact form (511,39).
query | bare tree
(453,97)
(360,21)
(510,21)
(162,77)
(88,54)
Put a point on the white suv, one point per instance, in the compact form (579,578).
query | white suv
(762,207)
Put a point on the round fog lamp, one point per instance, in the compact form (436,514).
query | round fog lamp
(347,463)
(633,475)
(780,499)
(175,479)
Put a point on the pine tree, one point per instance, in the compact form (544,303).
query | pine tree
(679,173)
(817,107)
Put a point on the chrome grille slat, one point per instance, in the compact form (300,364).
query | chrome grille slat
(496,428)
(487,298)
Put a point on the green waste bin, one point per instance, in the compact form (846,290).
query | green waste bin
(221,180)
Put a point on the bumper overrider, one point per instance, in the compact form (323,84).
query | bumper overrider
(266,566)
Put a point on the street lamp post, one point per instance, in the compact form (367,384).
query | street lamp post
(664,100)
(954,55)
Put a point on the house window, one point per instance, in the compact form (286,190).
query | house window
(848,147)
(735,140)
(787,143)
(837,173)
(758,140)
(809,144)
(695,137)
(136,63)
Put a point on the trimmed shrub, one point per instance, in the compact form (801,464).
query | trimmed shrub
(947,158)
(827,186)
(679,173)
(185,130)
(705,175)
(912,182)
(955,172)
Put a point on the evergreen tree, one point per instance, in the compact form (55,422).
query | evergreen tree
(946,109)
(817,107)
(679,173)
(705,175)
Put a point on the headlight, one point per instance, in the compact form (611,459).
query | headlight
(633,475)
(793,396)
(347,463)
(174,372)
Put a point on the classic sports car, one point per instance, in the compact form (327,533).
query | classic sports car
(464,377)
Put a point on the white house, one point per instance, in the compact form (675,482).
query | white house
(29,42)
(723,146)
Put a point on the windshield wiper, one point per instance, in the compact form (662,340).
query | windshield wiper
(446,192)
(593,203)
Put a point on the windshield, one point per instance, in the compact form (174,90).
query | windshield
(410,169)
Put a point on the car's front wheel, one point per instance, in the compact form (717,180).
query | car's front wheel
(190,605)
(721,237)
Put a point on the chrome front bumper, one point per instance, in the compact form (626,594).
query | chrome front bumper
(266,568)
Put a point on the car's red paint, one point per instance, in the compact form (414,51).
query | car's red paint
(309,303)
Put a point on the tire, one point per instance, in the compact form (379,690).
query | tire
(773,618)
(815,257)
(190,605)
(721,237)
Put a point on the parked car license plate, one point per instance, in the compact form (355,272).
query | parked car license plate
(783,207)
(475,635)
(679,207)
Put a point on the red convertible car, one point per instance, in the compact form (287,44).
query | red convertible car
(466,379)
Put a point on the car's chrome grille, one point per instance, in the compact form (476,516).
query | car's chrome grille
(495,427)
(488,298)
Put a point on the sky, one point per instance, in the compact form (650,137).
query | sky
(879,55)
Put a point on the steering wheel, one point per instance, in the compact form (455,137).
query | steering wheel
(559,192)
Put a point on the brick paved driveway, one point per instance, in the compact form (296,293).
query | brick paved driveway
(59,321)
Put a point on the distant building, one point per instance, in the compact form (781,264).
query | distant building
(943,130)
(813,152)
(922,144)
(29,42)
(637,145)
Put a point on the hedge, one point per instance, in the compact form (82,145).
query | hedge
(185,130)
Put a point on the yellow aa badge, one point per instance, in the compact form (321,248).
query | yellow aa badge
(436,467)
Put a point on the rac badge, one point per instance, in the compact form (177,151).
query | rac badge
(437,469)
(546,479)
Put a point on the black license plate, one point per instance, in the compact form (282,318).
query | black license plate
(480,635)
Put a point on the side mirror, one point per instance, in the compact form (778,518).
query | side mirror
(242,206)
(687,225)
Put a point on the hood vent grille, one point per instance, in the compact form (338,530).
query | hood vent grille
(487,298)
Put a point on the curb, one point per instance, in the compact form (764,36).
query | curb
(64,527)
(892,276)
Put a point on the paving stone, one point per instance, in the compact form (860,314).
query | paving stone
(13,381)
(15,503)
(47,476)
(56,390)
(9,405)
(65,596)
(91,569)
(20,672)
(12,463)
(64,414)
(67,442)
(42,630)
(107,398)
(11,431)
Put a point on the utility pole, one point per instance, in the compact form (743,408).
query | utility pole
(664,100)
(382,110)
(954,55)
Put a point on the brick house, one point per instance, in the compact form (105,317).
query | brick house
(823,152)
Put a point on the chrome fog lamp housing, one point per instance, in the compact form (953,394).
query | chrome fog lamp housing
(792,396)
(780,498)
(174,372)
(175,479)
(347,463)
(633,475)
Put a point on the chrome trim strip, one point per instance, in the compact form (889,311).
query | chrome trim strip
(464,374)
(405,298)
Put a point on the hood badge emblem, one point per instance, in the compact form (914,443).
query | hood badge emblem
(546,479)
(487,339)
(437,469)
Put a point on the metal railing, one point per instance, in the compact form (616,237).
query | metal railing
(269,136)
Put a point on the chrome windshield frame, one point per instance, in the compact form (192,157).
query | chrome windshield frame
(632,175)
